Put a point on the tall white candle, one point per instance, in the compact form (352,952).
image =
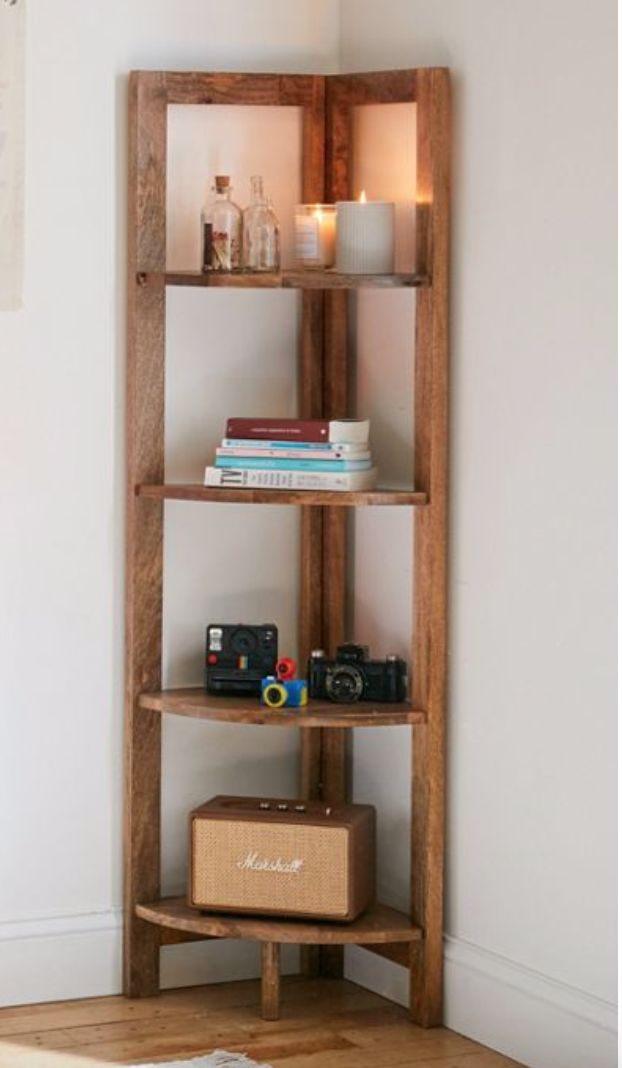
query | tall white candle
(365,236)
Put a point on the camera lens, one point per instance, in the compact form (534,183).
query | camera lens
(275,695)
(243,641)
(344,684)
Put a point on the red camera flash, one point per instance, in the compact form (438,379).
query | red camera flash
(285,668)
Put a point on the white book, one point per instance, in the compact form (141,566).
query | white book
(260,478)
(282,452)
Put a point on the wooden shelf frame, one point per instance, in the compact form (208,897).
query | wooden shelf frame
(290,280)
(377,926)
(195,702)
(326,103)
(303,498)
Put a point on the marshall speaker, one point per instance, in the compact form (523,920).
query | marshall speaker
(282,858)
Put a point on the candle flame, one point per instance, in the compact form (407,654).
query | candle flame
(362,198)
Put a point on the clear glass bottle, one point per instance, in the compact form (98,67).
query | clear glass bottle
(261,236)
(221,229)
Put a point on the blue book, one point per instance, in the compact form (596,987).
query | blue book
(241,463)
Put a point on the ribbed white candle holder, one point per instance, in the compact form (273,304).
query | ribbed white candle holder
(365,237)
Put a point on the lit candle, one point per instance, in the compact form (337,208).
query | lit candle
(365,236)
(315,235)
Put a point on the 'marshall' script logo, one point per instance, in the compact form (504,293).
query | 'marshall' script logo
(253,862)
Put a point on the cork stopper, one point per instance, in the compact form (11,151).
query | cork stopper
(222,182)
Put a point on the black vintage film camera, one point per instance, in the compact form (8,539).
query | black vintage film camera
(238,656)
(352,676)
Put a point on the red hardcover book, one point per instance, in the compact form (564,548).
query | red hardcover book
(347,431)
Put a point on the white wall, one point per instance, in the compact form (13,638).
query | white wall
(62,471)
(531,880)
(530,876)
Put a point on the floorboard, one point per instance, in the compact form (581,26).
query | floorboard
(324,1024)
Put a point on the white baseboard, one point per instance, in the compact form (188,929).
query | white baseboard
(377,974)
(520,1012)
(53,958)
(78,955)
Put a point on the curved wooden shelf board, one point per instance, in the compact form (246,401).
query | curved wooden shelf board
(378,925)
(290,280)
(198,704)
(192,492)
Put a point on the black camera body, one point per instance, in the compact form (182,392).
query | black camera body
(352,676)
(238,656)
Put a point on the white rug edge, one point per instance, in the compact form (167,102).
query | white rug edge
(220,1058)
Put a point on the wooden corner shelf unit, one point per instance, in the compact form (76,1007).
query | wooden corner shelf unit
(413,940)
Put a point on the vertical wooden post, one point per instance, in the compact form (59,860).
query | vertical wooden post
(310,400)
(311,527)
(270,980)
(310,389)
(145,463)
(334,548)
(334,545)
(430,578)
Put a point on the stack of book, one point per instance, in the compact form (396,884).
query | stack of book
(294,454)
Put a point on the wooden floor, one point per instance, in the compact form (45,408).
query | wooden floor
(325,1024)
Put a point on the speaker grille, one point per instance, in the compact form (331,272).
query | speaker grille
(232,859)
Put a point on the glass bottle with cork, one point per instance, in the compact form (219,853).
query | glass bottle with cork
(261,236)
(221,229)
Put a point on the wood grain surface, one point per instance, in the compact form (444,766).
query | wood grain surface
(372,87)
(324,1024)
(225,87)
(311,279)
(144,522)
(306,498)
(311,405)
(336,403)
(379,924)
(270,980)
(430,572)
(196,703)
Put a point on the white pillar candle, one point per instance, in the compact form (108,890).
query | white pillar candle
(365,236)
(315,235)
